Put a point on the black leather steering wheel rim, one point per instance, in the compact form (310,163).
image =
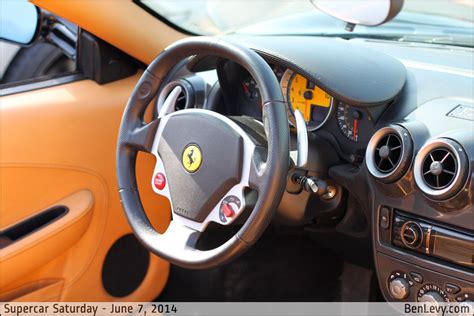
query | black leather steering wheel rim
(269,176)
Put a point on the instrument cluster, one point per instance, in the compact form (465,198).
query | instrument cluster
(350,125)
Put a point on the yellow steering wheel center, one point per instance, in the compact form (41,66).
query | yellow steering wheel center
(191,158)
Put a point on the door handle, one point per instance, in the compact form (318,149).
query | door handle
(27,246)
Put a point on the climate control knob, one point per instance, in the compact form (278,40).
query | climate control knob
(431,297)
(431,293)
(411,234)
(399,288)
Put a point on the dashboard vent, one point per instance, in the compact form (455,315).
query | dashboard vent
(185,99)
(389,153)
(441,168)
(181,101)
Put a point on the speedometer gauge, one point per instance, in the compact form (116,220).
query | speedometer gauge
(304,95)
(348,120)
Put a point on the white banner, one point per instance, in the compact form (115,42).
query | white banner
(293,309)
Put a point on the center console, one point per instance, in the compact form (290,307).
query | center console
(431,239)
(437,247)
(423,205)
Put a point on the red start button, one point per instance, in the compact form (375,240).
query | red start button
(159,181)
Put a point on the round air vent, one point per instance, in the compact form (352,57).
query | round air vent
(185,98)
(441,168)
(389,153)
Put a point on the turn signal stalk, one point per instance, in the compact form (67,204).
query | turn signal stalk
(313,185)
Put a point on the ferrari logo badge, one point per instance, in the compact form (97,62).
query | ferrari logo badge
(191,158)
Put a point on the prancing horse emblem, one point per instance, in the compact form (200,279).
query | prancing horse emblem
(191,158)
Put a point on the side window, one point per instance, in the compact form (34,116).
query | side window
(40,60)
(36,45)
(39,49)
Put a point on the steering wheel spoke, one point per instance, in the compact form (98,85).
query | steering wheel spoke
(142,137)
(257,167)
(179,237)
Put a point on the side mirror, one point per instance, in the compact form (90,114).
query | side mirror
(20,22)
(363,12)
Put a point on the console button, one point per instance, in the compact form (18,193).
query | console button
(464,297)
(452,288)
(418,278)
(385,217)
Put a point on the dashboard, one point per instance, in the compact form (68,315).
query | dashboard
(347,126)
(391,130)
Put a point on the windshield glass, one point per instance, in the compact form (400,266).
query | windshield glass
(448,19)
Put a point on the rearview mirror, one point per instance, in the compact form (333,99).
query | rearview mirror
(363,12)
(20,22)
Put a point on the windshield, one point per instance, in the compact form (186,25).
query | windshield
(450,19)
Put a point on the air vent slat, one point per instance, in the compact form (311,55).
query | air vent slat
(391,162)
(446,156)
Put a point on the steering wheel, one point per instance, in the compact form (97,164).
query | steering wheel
(204,160)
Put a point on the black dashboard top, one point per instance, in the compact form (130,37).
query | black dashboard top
(351,73)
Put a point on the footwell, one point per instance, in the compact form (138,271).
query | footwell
(280,267)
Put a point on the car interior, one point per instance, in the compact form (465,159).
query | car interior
(307,157)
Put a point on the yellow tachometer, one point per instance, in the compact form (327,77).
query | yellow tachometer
(303,95)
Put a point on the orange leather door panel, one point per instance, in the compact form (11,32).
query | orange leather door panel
(47,243)
(57,145)
(40,291)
